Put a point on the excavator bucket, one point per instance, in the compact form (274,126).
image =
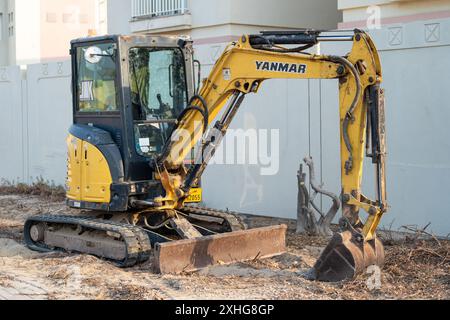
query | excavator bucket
(346,256)
(238,246)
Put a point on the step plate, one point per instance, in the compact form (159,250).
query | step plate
(195,254)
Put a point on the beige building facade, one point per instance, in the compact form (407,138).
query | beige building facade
(33,31)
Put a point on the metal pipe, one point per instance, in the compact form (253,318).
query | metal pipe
(334,38)
(230,106)
(134,203)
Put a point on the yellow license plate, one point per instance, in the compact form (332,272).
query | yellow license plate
(195,195)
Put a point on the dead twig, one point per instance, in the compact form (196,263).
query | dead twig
(257,257)
(433,253)
(422,231)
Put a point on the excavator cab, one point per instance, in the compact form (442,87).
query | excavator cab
(128,94)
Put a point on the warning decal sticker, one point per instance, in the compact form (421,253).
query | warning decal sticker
(87,91)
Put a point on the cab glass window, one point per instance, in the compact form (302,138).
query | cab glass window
(96,83)
(158,94)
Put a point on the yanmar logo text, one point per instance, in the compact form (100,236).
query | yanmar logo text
(281,67)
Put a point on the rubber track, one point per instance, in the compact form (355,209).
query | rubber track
(137,243)
(232,218)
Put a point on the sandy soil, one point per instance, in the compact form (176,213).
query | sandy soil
(414,270)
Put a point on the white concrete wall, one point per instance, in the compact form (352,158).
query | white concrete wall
(35,115)
(49,116)
(12,115)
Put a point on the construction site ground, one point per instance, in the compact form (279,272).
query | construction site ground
(414,269)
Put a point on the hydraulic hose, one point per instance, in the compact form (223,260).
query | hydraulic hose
(203,111)
(196,108)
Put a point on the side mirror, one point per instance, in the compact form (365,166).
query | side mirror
(93,55)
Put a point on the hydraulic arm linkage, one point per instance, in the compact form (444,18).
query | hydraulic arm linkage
(240,70)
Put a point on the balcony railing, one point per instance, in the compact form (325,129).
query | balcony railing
(157,8)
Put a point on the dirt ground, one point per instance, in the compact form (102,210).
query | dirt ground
(415,269)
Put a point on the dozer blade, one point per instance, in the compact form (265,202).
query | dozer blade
(346,256)
(195,254)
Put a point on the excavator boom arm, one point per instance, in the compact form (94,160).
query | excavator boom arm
(243,67)
(240,70)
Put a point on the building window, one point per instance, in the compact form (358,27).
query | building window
(52,17)
(84,18)
(69,18)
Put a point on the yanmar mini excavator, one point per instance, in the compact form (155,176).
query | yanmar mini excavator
(139,112)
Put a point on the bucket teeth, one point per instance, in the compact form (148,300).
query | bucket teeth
(346,256)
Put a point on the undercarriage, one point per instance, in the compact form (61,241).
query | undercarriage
(181,240)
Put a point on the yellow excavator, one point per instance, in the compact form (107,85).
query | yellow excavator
(142,137)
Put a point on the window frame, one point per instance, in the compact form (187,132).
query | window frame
(186,90)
